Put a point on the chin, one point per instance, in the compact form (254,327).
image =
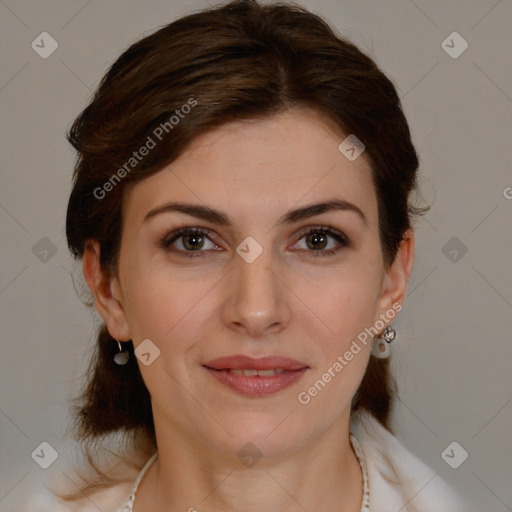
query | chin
(264,434)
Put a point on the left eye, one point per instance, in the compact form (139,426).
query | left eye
(317,237)
(192,241)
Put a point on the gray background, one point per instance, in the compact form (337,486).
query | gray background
(453,352)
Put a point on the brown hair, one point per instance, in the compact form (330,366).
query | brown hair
(239,61)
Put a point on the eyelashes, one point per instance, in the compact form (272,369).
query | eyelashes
(195,236)
(325,232)
(169,239)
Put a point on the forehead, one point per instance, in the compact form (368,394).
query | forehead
(260,167)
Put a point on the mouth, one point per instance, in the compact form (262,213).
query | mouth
(256,377)
(252,373)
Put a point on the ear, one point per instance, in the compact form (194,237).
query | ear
(106,292)
(394,284)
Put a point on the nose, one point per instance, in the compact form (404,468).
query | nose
(256,304)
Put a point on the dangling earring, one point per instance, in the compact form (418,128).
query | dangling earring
(381,348)
(121,358)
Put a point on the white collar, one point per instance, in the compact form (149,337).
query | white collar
(398,480)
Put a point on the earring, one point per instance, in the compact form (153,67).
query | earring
(381,348)
(121,358)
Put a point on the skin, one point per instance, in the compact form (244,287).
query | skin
(287,302)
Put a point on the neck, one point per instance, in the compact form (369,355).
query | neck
(324,475)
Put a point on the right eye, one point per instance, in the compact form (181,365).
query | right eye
(192,241)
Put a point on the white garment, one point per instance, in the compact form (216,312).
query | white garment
(397,480)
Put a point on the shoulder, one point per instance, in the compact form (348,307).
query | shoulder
(397,477)
(106,500)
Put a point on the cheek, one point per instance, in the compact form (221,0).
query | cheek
(155,306)
(169,310)
(348,309)
(347,303)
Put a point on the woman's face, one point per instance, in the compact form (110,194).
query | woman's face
(255,285)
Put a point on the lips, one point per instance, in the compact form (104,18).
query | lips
(256,377)
(241,362)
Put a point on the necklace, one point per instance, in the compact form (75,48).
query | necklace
(127,506)
(358,450)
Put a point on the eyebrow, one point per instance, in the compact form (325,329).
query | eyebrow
(218,217)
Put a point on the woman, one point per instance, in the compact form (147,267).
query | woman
(241,205)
